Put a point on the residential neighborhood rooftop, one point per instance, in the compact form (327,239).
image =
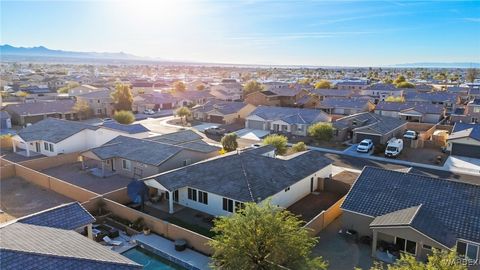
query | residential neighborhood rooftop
(52,130)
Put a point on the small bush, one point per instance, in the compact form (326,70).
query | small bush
(299,147)
(278,141)
(124,117)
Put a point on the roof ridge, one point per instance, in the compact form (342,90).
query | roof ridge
(246,177)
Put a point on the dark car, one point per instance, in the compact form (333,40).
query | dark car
(215,131)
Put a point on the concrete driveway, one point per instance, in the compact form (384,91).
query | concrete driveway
(352,151)
(252,134)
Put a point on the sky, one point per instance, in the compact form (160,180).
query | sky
(275,32)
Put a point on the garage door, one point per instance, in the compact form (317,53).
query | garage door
(465,150)
(252,124)
(216,119)
(375,139)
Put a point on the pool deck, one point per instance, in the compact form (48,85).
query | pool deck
(189,256)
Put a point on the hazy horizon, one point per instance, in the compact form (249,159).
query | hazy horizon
(311,33)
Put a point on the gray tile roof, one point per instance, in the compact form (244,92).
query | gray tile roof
(291,115)
(422,107)
(68,217)
(159,98)
(352,103)
(178,137)
(448,208)
(25,246)
(462,130)
(98,94)
(332,92)
(244,176)
(383,87)
(52,130)
(399,217)
(223,107)
(130,129)
(432,97)
(42,107)
(192,95)
(143,151)
(369,122)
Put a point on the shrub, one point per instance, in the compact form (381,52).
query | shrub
(278,141)
(229,142)
(321,131)
(299,147)
(124,117)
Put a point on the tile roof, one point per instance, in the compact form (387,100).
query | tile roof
(159,98)
(223,107)
(52,130)
(383,87)
(98,94)
(344,103)
(26,246)
(192,94)
(422,107)
(178,137)
(432,97)
(331,92)
(244,176)
(462,130)
(448,208)
(42,107)
(67,216)
(369,122)
(291,115)
(130,129)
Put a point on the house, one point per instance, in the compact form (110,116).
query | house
(467,114)
(276,96)
(139,158)
(448,100)
(346,106)
(5,120)
(421,112)
(414,213)
(32,112)
(49,240)
(227,89)
(222,112)
(189,98)
(101,102)
(83,89)
(352,85)
(294,121)
(240,177)
(465,140)
(331,93)
(474,93)
(154,101)
(367,125)
(380,91)
(51,136)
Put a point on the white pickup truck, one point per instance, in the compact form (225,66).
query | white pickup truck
(394,147)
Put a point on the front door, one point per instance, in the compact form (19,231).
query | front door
(311,184)
(37,147)
(175,196)
(112,162)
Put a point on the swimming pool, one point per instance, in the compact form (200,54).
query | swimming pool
(150,260)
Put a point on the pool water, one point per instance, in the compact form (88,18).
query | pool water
(150,260)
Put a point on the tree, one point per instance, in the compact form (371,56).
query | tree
(122,98)
(179,86)
(472,74)
(229,142)
(438,260)
(399,79)
(322,84)
(124,117)
(395,99)
(299,147)
(321,131)
(405,85)
(200,87)
(252,86)
(83,110)
(263,236)
(21,94)
(65,89)
(441,76)
(278,141)
(183,112)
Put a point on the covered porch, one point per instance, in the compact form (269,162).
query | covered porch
(26,149)
(161,198)
(411,116)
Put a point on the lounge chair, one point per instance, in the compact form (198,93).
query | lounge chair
(111,242)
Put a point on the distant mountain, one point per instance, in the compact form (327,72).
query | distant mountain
(440,65)
(8,50)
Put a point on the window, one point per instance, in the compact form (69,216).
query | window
(228,205)
(51,147)
(203,197)
(239,206)
(427,247)
(126,164)
(186,162)
(45,145)
(406,245)
(192,194)
(287,189)
(467,250)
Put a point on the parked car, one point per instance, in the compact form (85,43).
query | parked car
(365,146)
(410,134)
(394,147)
(148,112)
(215,131)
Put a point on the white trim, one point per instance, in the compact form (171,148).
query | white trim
(409,227)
